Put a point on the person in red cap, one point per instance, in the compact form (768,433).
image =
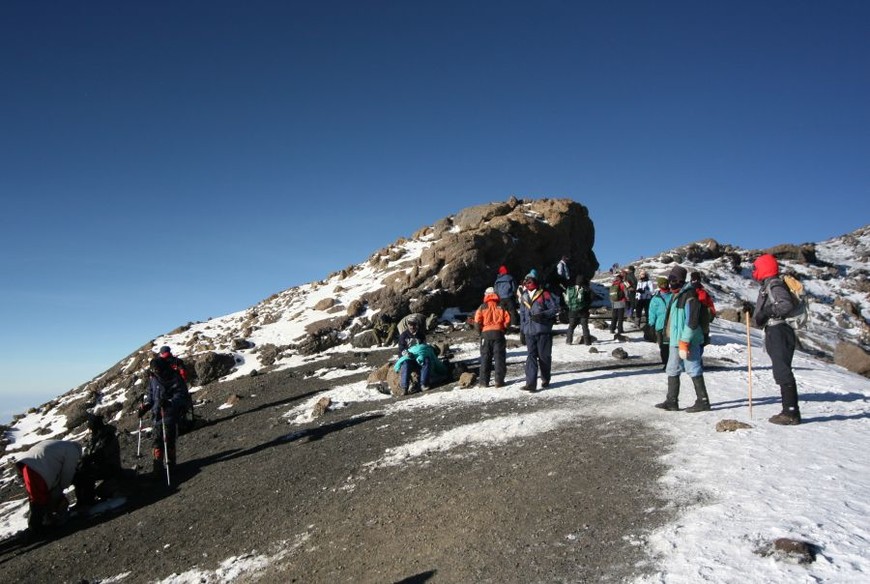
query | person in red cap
(506,288)
(774,303)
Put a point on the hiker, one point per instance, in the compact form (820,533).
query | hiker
(47,469)
(579,299)
(708,305)
(533,273)
(774,302)
(385,330)
(683,332)
(179,382)
(417,317)
(658,308)
(492,321)
(411,336)
(506,288)
(101,461)
(538,312)
(643,294)
(617,305)
(166,399)
(630,281)
(562,280)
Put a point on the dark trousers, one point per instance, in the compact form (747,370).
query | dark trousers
(408,367)
(493,351)
(664,347)
(780,342)
(616,318)
(510,304)
(580,317)
(540,352)
(642,307)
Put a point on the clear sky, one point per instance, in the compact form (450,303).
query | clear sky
(166,162)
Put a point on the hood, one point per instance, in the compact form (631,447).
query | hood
(765,267)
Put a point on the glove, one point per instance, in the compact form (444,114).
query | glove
(405,353)
(684,350)
(142,410)
(540,319)
(747,307)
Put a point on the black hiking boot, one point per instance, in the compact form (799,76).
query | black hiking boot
(670,404)
(702,403)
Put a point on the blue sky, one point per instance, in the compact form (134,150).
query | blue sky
(168,162)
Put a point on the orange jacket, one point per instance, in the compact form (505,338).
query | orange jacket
(492,317)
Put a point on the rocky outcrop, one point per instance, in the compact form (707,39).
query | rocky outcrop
(471,245)
(852,357)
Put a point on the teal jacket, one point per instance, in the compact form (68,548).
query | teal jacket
(420,352)
(684,313)
(658,310)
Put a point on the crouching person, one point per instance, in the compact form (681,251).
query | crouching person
(99,473)
(47,469)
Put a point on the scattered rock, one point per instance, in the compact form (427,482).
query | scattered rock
(241,344)
(365,339)
(467,379)
(212,366)
(852,357)
(321,407)
(233,399)
(593,350)
(731,426)
(790,550)
(619,353)
(325,304)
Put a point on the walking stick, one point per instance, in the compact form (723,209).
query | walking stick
(139,441)
(749,363)
(165,447)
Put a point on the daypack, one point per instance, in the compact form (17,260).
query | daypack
(577,298)
(799,315)
(616,292)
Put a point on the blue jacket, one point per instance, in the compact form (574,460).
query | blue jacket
(684,317)
(658,310)
(538,312)
(505,286)
(419,353)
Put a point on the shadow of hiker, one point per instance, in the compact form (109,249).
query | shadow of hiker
(836,418)
(192,467)
(417,578)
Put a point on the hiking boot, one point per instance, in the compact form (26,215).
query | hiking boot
(786,419)
(499,383)
(702,402)
(545,384)
(670,404)
(530,388)
(425,387)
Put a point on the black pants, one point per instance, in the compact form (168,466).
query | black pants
(780,342)
(493,351)
(617,316)
(664,347)
(510,304)
(580,317)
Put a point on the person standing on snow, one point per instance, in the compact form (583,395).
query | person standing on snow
(506,288)
(579,299)
(658,309)
(492,321)
(774,303)
(644,293)
(683,330)
(538,312)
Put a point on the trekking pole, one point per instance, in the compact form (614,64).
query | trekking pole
(139,441)
(749,363)
(165,447)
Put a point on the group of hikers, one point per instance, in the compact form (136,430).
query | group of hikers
(678,313)
(678,310)
(94,469)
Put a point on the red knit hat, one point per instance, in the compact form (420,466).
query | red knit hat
(502,270)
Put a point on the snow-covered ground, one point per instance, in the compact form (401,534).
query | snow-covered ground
(737,490)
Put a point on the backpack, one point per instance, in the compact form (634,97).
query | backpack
(577,298)
(616,293)
(799,315)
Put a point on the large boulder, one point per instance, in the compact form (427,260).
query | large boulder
(212,366)
(852,357)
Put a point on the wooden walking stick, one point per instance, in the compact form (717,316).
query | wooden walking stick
(749,363)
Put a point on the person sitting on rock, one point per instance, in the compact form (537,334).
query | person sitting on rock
(101,462)
(47,469)
(412,335)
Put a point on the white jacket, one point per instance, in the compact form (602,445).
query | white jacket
(55,461)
